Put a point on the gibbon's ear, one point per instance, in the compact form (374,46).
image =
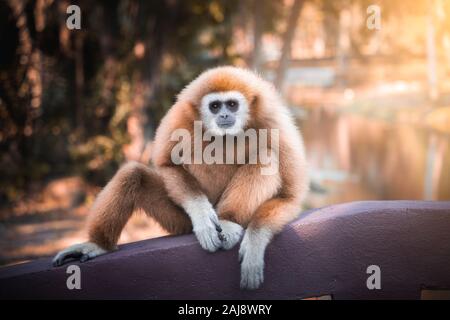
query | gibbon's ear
(255,112)
(255,101)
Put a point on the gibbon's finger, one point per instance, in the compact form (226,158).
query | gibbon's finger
(252,276)
(231,234)
(219,230)
(215,220)
(89,255)
(208,239)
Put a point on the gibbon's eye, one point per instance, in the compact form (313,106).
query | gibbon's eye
(232,105)
(215,106)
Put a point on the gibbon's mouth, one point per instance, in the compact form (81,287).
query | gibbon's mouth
(226,124)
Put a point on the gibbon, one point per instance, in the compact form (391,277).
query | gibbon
(219,202)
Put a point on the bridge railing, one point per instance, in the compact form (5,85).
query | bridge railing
(344,251)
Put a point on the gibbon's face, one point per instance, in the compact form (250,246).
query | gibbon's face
(224,112)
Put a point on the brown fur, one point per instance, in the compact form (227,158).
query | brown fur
(135,186)
(238,192)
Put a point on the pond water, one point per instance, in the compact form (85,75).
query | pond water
(356,158)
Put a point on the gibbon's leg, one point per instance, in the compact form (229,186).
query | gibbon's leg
(185,191)
(135,186)
(268,220)
(250,196)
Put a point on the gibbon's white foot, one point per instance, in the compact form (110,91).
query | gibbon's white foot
(81,251)
(205,223)
(231,233)
(251,255)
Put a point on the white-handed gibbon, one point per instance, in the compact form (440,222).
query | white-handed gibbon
(218,202)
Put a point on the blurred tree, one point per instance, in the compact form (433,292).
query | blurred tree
(287,41)
(265,16)
(431,52)
(71,99)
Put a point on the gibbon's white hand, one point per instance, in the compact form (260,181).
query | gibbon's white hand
(205,223)
(251,256)
(208,232)
(231,233)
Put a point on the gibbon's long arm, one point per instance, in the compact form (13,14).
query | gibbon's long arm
(245,192)
(271,201)
(182,187)
(180,184)
(268,220)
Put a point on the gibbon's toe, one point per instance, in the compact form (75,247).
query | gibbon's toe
(82,252)
(65,255)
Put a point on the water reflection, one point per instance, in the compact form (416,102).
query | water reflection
(356,158)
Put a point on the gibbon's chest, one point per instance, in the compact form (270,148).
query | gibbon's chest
(213,178)
(214,162)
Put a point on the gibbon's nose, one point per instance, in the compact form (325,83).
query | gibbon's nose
(223,116)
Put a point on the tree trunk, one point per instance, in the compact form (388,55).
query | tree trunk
(431,53)
(257,34)
(79,81)
(344,46)
(287,42)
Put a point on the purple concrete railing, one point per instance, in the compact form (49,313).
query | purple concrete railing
(324,252)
